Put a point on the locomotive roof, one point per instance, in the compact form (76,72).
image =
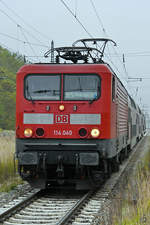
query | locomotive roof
(44,67)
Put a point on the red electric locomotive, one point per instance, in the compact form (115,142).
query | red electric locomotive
(72,119)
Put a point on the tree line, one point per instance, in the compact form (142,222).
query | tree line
(9,65)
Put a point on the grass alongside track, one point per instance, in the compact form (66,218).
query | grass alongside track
(8,177)
(133,207)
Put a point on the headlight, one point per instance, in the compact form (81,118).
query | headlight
(95,133)
(61,107)
(28,132)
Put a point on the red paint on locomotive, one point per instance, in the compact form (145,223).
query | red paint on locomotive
(104,106)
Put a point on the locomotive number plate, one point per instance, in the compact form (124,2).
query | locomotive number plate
(61,119)
(63,132)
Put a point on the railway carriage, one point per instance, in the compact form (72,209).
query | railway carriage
(74,121)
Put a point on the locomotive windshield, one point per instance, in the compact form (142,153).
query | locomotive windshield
(42,87)
(75,87)
(81,87)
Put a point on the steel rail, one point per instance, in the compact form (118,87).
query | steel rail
(70,213)
(12,210)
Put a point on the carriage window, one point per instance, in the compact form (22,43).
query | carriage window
(42,87)
(81,87)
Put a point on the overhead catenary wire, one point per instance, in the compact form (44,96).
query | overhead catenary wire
(76,6)
(135,54)
(85,29)
(18,25)
(24,42)
(119,56)
(29,25)
(105,33)
(98,17)
(28,42)
(75,16)
(25,30)
(8,16)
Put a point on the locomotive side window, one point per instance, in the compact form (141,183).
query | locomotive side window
(42,87)
(81,87)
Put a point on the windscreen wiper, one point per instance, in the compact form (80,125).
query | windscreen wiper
(92,100)
(42,91)
(54,92)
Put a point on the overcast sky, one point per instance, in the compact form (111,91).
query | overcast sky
(126,22)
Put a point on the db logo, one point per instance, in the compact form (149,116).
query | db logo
(62,118)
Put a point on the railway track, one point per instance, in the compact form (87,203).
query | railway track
(76,208)
(43,208)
